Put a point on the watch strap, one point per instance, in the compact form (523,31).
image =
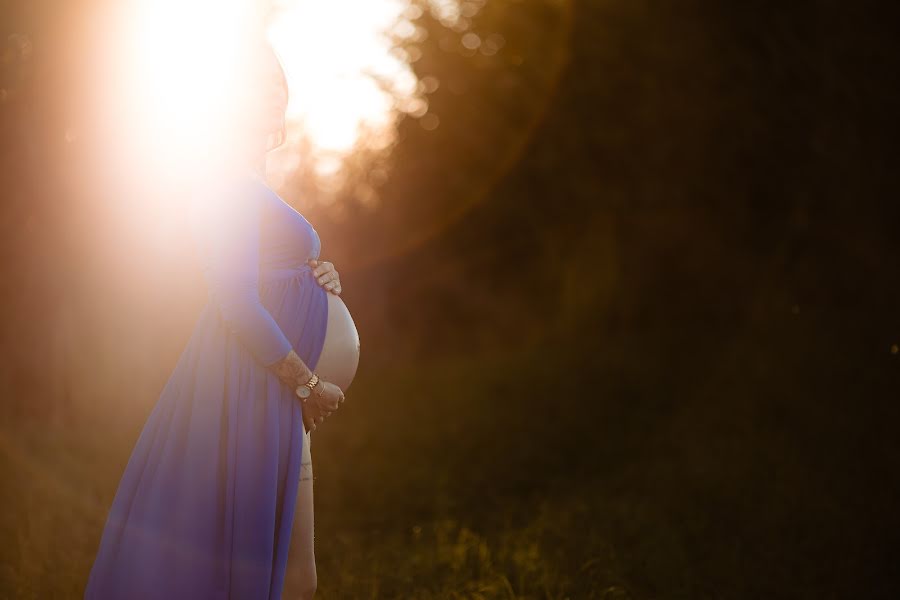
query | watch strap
(309,385)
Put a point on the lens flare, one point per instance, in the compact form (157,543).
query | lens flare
(182,100)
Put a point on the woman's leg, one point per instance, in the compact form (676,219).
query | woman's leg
(300,582)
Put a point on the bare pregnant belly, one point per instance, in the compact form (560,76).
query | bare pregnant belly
(340,352)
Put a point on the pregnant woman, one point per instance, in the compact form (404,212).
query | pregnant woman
(221,471)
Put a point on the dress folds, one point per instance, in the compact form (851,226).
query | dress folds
(205,506)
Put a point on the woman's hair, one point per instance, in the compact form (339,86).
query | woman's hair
(282,135)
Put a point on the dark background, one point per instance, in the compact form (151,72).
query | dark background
(628,315)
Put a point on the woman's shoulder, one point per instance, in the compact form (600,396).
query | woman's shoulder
(232,199)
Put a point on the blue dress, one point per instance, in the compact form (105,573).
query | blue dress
(205,506)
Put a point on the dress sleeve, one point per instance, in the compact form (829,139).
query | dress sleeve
(226,222)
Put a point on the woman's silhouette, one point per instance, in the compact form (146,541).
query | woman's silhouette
(206,504)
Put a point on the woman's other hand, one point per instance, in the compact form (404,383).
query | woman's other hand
(328,396)
(312,416)
(326,275)
(325,399)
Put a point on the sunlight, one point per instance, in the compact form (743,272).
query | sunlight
(347,84)
(179,76)
(169,82)
(178,73)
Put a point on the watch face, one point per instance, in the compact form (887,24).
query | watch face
(303,391)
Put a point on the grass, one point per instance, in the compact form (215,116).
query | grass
(726,469)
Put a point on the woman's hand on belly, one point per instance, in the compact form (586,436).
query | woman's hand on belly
(326,275)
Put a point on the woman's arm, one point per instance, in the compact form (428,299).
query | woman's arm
(228,229)
(326,396)
(292,371)
(226,218)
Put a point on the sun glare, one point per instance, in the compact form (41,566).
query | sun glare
(349,80)
(176,80)
(348,85)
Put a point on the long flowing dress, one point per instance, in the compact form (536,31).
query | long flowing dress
(205,507)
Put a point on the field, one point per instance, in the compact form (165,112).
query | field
(689,475)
